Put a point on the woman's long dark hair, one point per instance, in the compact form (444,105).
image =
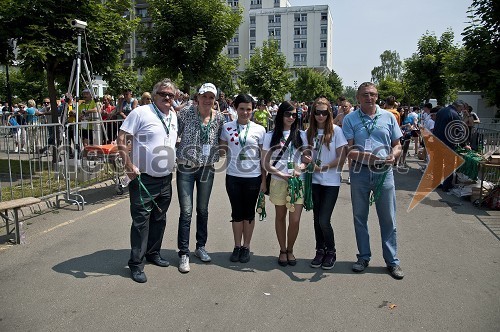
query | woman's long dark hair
(296,140)
(313,124)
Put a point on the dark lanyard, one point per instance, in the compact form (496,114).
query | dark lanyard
(319,142)
(205,129)
(158,114)
(244,141)
(374,123)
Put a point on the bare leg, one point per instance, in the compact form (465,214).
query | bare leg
(247,232)
(280,226)
(237,232)
(293,229)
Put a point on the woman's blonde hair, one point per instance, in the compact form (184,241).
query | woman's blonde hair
(31,103)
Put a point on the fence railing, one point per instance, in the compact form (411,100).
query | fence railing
(45,160)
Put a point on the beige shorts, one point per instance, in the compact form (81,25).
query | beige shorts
(278,190)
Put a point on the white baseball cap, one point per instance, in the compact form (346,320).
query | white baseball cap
(208,87)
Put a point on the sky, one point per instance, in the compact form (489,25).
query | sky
(364,29)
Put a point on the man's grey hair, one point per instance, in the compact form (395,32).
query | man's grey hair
(165,83)
(459,102)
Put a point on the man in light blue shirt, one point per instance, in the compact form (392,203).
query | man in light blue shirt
(373,136)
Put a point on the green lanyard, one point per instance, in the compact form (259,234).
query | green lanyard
(205,129)
(374,123)
(244,140)
(141,185)
(158,114)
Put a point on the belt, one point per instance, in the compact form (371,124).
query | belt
(190,163)
(378,167)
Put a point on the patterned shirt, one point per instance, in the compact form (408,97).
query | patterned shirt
(191,146)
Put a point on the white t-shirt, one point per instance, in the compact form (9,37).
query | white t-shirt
(291,154)
(153,151)
(332,176)
(243,161)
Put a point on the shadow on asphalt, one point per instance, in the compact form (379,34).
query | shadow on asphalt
(99,264)
(114,262)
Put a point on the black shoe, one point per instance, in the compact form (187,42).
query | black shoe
(329,261)
(157,260)
(318,259)
(396,272)
(235,256)
(244,255)
(138,275)
(280,262)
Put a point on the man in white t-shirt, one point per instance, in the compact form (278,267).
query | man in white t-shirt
(153,131)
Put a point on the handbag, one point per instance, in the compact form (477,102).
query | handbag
(268,177)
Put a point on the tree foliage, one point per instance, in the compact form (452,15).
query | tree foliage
(267,73)
(309,85)
(47,42)
(335,83)
(481,63)
(25,84)
(390,87)
(391,67)
(426,75)
(188,37)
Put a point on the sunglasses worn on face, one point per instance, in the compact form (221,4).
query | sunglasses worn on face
(321,112)
(166,95)
(288,114)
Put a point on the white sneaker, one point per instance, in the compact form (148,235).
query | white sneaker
(23,150)
(16,150)
(184,264)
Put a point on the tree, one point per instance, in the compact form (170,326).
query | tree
(25,85)
(309,85)
(426,70)
(122,78)
(481,65)
(188,37)
(390,87)
(349,93)
(267,73)
(335,83)
(391,67)
(47,42)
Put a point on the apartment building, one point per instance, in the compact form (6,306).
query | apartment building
(304,33)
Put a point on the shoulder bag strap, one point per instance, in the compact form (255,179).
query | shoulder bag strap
(283,149)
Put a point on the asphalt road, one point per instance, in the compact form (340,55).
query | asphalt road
(72,274)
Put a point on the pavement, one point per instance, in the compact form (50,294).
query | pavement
(72,274)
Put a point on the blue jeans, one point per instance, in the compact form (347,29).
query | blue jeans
(324,199)
(363,181)
(187,177)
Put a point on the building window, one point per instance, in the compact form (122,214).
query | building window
(252,19)
(252,46)
(303,57)
(324,16)
(276,2)
(233,50)
(235,39)
(256,2)
(300,31)
(236,50)
(274,32)
(324,30)
(252,33)
(274,18)
(300,17)
(300,44)
(323,43)
(141,12)
(296,57)
(322,57)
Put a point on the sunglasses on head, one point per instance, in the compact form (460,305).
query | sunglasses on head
(288,114)
(321,112)
(166,95)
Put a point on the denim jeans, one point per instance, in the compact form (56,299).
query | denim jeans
(363,181)
(187,177)
(324,199)
(148,224)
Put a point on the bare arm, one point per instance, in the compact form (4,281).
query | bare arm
(121,141)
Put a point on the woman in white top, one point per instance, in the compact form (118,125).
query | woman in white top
(242,140)
(289,165)
(328,156)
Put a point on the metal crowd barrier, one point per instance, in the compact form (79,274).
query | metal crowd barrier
(47,160)
(487,141)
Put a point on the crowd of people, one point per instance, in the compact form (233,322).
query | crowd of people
(293,151)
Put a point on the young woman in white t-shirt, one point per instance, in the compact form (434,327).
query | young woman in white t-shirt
(242,140)
(328,155)
(289,165)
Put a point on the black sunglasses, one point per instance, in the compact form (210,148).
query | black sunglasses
(321,112)
(166,95)
(288,114)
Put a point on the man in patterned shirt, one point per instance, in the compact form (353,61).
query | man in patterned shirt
(199,128)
